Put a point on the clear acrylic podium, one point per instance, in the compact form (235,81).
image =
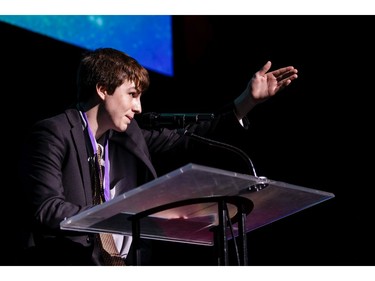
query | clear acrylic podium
(199,205)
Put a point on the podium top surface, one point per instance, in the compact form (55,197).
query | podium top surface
(273,200)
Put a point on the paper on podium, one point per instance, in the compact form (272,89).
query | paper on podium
(193,223)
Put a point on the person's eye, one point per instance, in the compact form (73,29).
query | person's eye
(135,94)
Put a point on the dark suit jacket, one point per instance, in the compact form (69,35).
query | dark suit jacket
(57,182)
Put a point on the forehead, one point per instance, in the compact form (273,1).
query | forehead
(128,86)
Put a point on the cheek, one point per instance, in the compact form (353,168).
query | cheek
(125,102)
(119,103)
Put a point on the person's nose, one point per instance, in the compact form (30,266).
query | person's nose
(137,106)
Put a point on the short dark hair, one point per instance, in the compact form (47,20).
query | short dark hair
(109,68)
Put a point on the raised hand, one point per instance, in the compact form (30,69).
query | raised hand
(263,85)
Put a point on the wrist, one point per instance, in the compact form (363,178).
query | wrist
(243,104)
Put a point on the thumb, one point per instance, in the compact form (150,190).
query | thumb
(265,68)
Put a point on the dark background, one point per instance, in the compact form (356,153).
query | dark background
(317,133)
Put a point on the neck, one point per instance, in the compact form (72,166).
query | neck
(93,119)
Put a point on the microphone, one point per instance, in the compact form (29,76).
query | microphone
(173,120)
(262,181)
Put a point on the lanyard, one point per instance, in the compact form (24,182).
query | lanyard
(106,158)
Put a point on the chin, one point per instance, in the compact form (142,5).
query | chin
(123,129)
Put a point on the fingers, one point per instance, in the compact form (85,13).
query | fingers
(281,74)
(287,78)
(281,84)
(284,76)
(288,72)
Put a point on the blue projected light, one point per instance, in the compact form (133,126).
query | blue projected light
(146,38)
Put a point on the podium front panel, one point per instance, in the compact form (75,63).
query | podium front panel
(193,223)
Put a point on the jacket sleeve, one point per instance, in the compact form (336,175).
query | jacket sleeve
(54,194)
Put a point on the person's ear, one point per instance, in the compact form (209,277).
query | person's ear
(101,91)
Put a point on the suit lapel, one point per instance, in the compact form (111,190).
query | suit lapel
(138,147)
(132,139)
(80,146)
